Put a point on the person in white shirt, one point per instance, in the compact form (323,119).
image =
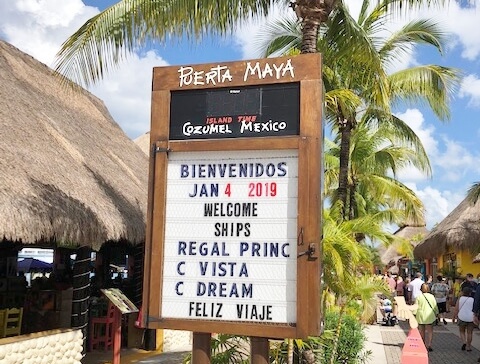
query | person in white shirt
(440,291)
(416,284)
(464,314)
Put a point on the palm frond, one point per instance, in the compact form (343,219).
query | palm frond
(431,83)
(105,39)
(422,31)
(279,37)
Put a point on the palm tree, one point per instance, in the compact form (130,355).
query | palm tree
(107,38)
(348,46)
(376,154)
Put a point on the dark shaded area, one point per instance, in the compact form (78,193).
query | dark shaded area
(81,291)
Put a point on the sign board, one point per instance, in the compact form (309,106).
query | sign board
(270,110)
(119,300)
(234,235)
(245,236)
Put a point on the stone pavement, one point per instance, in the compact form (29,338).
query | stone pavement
(386,343)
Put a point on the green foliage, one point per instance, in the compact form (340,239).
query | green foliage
(302,349)
(350,342)
(451,272)
(226,349)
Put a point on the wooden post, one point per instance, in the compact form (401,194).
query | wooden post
(259,350)
(201,348)
(117,336)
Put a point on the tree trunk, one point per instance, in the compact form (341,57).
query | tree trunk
(346,127)
(309,36)
(290,352)
(312,13)
(352,205)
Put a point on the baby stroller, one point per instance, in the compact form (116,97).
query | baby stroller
(390,319)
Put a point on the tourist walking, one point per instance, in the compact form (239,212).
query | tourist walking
(476,310)
(429,281)
(469,282)
(440,290)
(456,290)
(407,291)
(464,314)
(391,283)
(426,315)
(416,284)
(400,286)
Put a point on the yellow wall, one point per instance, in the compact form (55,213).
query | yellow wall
(463,261)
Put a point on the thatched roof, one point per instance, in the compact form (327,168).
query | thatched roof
(68,174)
(460,230)
(406,232)
(143,141)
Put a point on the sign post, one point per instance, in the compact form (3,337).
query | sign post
(233,226)
(123,305)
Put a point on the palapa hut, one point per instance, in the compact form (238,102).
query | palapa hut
(454,243)
(69,176)
(143,141)
(395,258)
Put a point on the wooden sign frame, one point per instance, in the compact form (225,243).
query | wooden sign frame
(302,69)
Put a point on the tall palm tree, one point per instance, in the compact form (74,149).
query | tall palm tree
(376,155)
(107,38)
(355,62)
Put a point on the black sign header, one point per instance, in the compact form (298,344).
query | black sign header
(232,112)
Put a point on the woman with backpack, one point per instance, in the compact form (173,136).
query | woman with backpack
(426,314)
(464,314)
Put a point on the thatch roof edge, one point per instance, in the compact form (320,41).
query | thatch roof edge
(69,175)
(460,230)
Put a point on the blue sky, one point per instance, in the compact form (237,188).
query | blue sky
(38,27)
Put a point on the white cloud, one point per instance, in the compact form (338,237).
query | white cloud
(127,92)
(451,161)
(470,88)
(438,204)
(456,161)
(452,164)
(460,21)
(39,27)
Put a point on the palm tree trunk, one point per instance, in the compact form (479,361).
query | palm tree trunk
(309,36)
(312,14)
(352,208)
(290,352)
(346,127)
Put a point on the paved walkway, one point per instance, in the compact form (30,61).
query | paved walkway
(384,342)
